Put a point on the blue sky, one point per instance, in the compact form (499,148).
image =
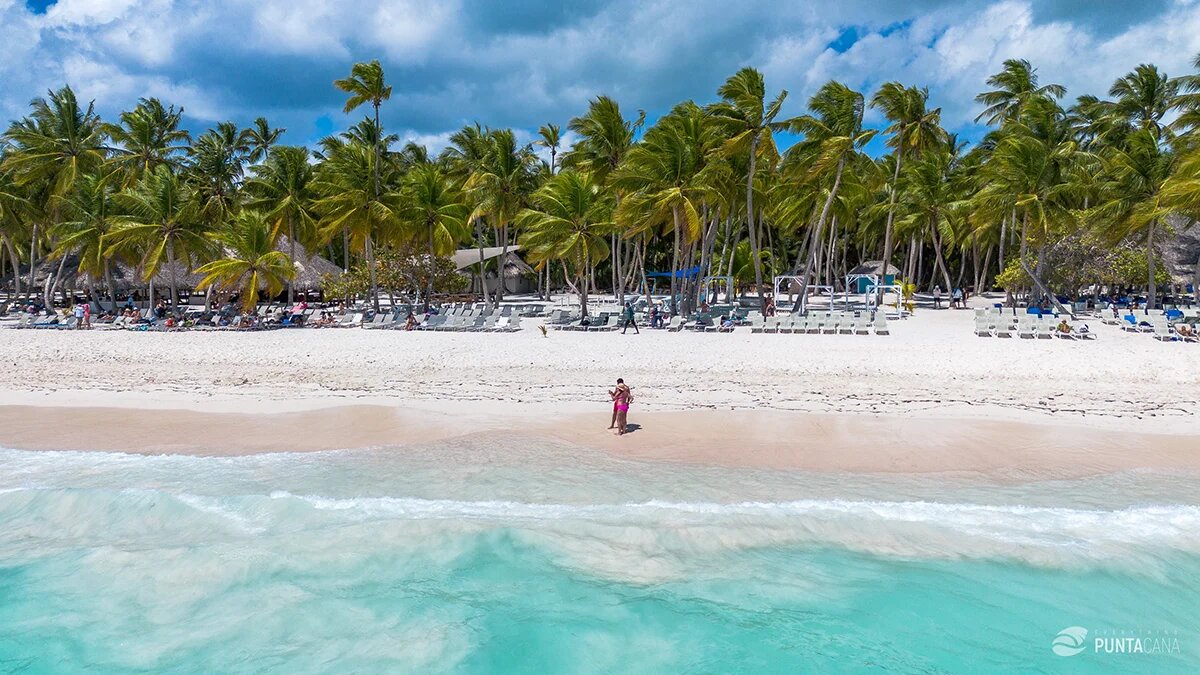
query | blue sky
(522,63)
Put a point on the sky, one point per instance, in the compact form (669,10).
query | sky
(524,63)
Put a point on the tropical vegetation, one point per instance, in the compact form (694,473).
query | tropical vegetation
(1056,199)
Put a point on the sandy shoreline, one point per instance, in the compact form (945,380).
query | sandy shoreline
(930,397)
(760,439)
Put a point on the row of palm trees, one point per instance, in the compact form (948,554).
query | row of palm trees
(704,186)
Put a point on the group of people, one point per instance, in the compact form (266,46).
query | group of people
(621,397)
(958,297)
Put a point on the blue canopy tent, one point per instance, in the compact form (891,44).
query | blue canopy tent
(690,273)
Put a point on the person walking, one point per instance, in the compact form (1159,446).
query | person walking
(629,320)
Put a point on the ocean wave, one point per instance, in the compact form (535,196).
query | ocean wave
(655,536)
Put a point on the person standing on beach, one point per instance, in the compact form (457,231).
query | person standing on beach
(621,397)
(937,297)
(627,314)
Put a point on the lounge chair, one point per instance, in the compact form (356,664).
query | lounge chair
(983,326)
(862,326)
(676,324)
(1002,328)
(881,324)
(1044,329)
(1163,331)
(1026,329)
(756,323)
(772,325)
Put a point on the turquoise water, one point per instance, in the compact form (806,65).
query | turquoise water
(504,555)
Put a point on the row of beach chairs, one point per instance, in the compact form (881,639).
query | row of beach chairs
(991,323)
(822,323)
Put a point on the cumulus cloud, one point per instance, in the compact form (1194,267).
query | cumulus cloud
(527,62)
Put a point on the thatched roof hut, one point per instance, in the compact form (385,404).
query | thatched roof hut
(125,277)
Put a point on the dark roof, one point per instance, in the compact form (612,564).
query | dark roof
(874,267)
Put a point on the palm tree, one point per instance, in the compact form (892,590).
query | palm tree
(661,180)
(217,165)
(351,205)
(366,85)
(500,186)
(833,135)
(15,208)
(464,156)
(749,122)
(251,262)
(59,143)
(434,206)
(261,137)
(283,189)
(914,129)
(91,215)
(1143,98)
(1131,202)
(163,224)
(605,136)
(569,221)
(1188,105)
(1016,85)
(551,139)
(147,136)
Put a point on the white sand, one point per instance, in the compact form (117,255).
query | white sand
(931,364)
(932,370)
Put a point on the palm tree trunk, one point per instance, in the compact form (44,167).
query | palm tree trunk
(33,258)
(1037,281)
(108,281)
(432,269)
(292,255)
(345,251)
(675,262)
(482,271)
(370,250)
(754,244)
(174,281)
(939,259)
(1152,292)
(891,221)
(52,282)
(837,181)
(583,285)
(16,263)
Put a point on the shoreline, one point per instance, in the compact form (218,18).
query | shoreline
(762,439)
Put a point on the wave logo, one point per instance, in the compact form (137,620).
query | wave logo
(1069,641)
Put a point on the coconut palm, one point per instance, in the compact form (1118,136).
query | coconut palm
(146,137)
(914,129)
(549,137)
(163,224)
(660,178)
(434,208)
(1143,97)
(834,135)
(748,121)
(500,186)
(464,156)
(1016,85)
(366,85)
(15,209)
(1187,103)
(605,136)
(60,142)
(1130,203)
(216,168)
(261,137)
(283,188)
(349,204)
(569,220)
(251,262)
(89,215)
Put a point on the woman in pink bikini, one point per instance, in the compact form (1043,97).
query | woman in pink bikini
(621,397)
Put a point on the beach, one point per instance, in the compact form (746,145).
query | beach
(911,401)
(287,499)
